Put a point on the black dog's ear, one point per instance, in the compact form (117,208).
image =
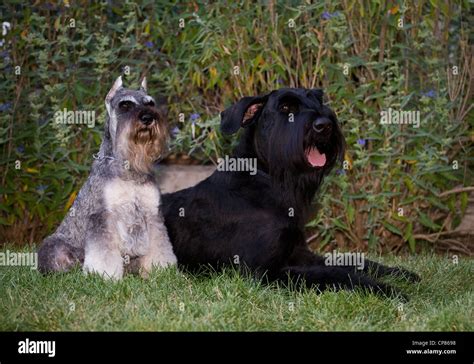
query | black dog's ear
(242,114)
(319,94)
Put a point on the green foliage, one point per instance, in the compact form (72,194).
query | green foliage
(229,50)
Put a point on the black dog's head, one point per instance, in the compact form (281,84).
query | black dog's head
(289,129)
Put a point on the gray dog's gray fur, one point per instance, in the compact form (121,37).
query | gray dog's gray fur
(115,223)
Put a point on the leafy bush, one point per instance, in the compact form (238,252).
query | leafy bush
(368,56)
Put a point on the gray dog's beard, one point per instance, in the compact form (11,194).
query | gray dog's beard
(142,146)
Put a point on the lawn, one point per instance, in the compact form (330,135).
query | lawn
(170,300)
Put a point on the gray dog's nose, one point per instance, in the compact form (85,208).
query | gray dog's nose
(322,125)
(146,118)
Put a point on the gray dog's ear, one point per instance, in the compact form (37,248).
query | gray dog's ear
(117,86)
(242,114)
(143,85)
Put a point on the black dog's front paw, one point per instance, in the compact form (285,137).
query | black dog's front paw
(379,270)
(406,274)
(378,288)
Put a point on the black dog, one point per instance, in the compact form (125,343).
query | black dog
(258,220)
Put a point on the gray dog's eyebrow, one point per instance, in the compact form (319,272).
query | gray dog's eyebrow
(129,98)
(148,98)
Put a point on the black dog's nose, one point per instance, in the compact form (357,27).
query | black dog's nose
(146,118)
(322,125)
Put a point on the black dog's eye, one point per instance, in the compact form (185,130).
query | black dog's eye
(150,103)
(287,107)
(126,105)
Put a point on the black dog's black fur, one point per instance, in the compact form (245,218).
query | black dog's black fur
(258,221)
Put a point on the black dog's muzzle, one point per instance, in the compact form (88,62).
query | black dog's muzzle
(322,125)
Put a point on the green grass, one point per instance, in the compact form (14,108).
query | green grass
(170,300)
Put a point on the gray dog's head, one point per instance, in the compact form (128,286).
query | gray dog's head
(136,126)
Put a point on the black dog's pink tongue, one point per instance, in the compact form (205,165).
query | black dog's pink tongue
(315,158)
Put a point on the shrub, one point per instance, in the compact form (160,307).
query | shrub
(368,56)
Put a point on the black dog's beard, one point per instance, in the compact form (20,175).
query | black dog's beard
(323,151)
(291,158)
(301,151)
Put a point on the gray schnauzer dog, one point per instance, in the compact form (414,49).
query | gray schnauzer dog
(115,224)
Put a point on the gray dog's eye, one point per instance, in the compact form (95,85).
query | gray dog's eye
(126,105)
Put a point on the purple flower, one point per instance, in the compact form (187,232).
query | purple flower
(280,81)
(341,172)
(149,44)
(6,106)
(430,94)
(195,116)
(20,149)
(361,142)
(327,15)
(175,131)
(41,188)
